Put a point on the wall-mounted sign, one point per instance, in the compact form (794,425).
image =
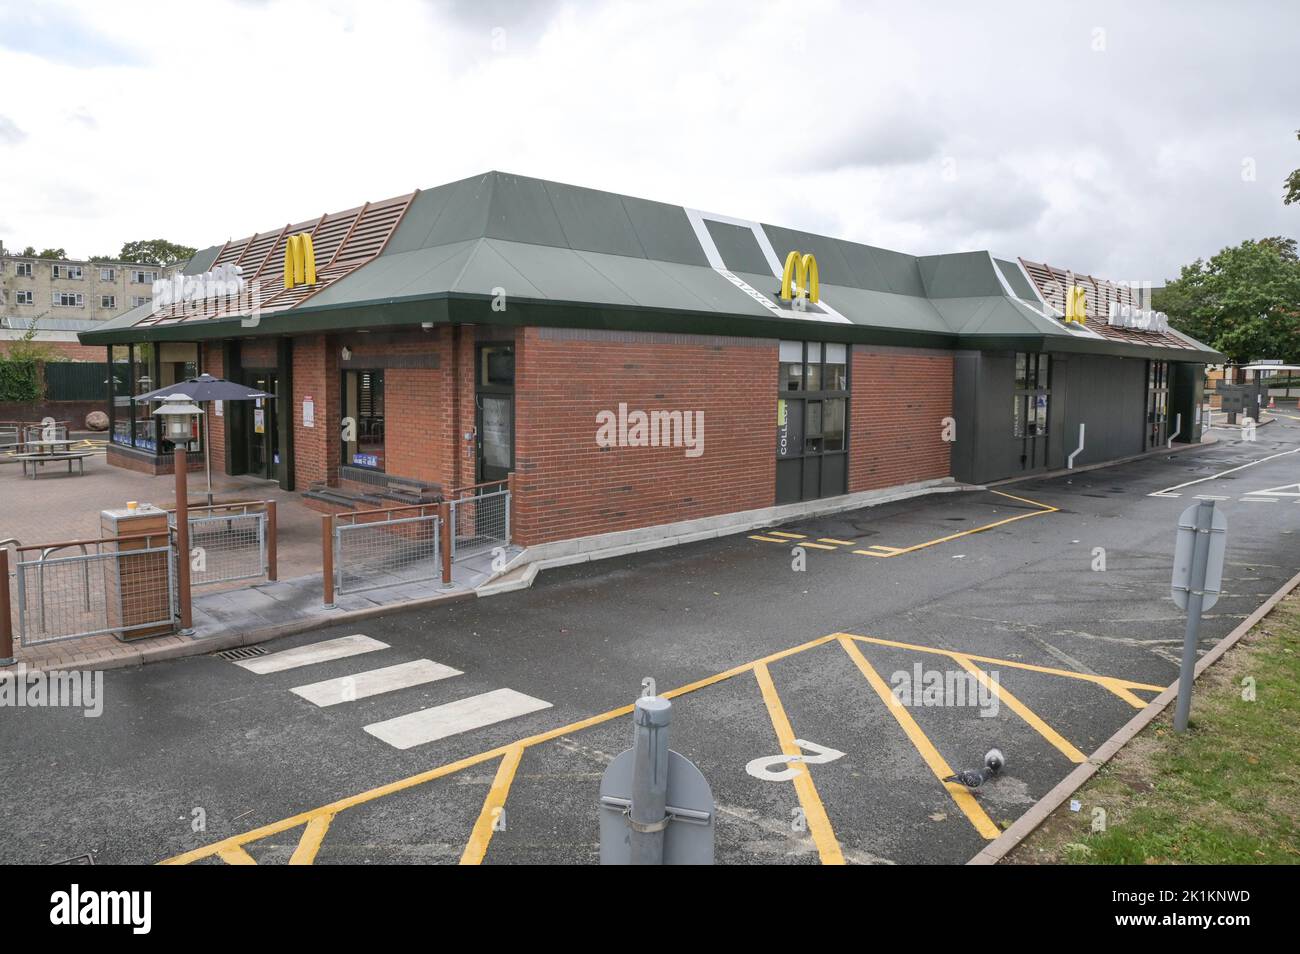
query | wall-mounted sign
(299,261)
(800,278)
(365,460)
(259,421)
(1076,306)
(308,411)
(219,407)
(1139,319)
(224,281)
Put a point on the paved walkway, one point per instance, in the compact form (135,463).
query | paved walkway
(58,507)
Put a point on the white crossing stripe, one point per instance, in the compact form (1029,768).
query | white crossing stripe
(439,722)
(324,651)
(331,692)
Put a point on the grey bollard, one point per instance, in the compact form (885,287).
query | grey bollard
(650,716)
(1195,602)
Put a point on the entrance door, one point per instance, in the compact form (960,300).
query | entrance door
(494,398)
(263,428)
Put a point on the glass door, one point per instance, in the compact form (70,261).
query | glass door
(263,431)
(495,411)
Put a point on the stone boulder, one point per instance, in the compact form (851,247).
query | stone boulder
(96,421)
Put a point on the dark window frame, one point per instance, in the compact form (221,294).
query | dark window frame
(1036,382)
(382,466)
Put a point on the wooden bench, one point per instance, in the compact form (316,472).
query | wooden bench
(70,456)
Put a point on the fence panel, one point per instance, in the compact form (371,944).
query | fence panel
(76,380)
(231,543)
(107,586)
(371,552)
(479,522)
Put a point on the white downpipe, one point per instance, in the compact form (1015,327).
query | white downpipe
(1077,451)
(1178,429)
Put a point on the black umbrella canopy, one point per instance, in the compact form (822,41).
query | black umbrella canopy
(206,388)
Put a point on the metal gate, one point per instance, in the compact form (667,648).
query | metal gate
(480,519)
(227,543)
(88,587)
(386,547)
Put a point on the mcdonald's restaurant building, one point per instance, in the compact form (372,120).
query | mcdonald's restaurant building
(635,363)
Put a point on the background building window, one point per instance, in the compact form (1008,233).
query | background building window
(812,419)
(107,274)
(1031,402)
(23,298)
(23,269)
(363,402)
(107,301)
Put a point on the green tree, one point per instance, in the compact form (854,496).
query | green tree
(53,253)
(1244,302)
(155,252)
(1292,184)
(28,252)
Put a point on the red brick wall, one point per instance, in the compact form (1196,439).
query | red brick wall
(316,449)
(898,401)
(64,349)
(567,486)
(214,364)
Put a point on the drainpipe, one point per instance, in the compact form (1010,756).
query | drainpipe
(1178,429)
(1077,451)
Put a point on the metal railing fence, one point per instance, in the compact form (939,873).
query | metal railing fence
(374,548)
(480,518)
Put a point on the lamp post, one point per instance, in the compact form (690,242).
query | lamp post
(178,413)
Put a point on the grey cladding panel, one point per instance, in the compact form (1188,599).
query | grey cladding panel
(521,212)
(418,222)
(464,217)
(594,221)
(738,247)
(1016,279)
(664,232)
(202,261)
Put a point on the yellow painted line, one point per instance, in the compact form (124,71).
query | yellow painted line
(235,855)
(333,808)
(493,805)
(1022,710)
(1137,702)
(941,769)
(309,844)
(790,536)
(842,543)
(815,546)
(1110,682)
(754,536)
(898,551)
(819,825)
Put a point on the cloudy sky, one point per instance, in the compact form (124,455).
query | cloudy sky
(1118,139)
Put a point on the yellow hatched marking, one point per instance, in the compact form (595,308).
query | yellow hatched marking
(493,806)
(309,844)
(819,825)
(842,543)
(938,765)
(235,855)
(815,546)
(1022,710)
(755,536)
(333,808)
(1112,683)
(788,536)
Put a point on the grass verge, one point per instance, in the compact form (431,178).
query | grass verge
(1225,792)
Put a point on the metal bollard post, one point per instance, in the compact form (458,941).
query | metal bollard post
(1195,601)
(651,716)
(327,558)
(6,615)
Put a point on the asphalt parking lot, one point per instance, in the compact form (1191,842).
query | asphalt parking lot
(490,721)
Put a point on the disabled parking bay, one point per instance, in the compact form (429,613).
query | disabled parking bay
(872,790)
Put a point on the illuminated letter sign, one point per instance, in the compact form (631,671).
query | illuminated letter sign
(299,261)
(1076,305)
(800,277)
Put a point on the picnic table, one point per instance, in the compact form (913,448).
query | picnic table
(52,451)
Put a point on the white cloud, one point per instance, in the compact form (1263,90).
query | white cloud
(944,127)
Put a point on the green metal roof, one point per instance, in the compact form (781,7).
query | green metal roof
(607,260)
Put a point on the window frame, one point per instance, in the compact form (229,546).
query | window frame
(344,456)
(1027,389)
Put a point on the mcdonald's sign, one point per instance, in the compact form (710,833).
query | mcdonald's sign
(1076,305)
(800,277)
(299,261)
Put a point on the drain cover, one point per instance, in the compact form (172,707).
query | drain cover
(86,859)
(241,652)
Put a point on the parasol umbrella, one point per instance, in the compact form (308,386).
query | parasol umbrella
(202,390)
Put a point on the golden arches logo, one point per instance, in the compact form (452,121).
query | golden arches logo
(1076,305)
(800,279)
(299,261)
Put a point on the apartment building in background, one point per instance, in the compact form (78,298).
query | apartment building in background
(65,296)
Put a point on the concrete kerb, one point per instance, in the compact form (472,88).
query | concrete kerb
(1083,469)
(997,849)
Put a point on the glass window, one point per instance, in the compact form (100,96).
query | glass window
(363,405)
(833,424)
(1032,399)
(497,365)
(120,379)
(812,427)
(790,355)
